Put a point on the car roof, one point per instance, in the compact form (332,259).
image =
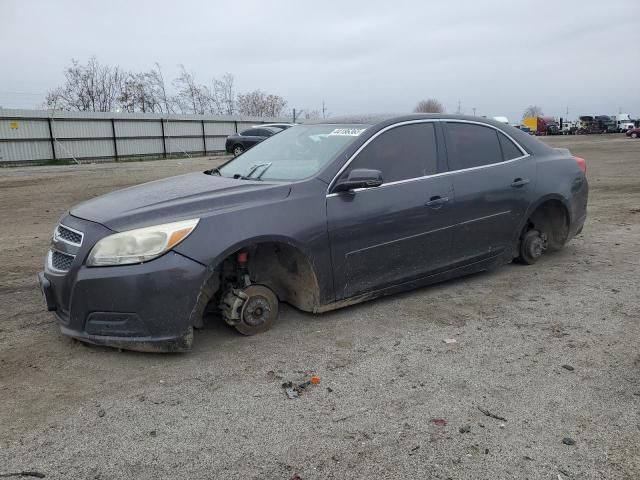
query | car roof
(378,121)
(266,127)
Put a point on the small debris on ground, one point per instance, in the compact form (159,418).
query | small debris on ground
(101,412)
(450,340)
(568,441)
(291,393)
(293,390)
(153,433)
(568,367)
(492,415)
(465,429)
(441,422)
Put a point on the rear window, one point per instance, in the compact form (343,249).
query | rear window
(471,145)
(252,132)
(509,149)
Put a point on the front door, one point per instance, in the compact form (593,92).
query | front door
(400,230)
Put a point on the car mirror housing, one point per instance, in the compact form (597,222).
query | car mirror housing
(359,178)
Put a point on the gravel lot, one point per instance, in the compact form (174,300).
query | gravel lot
(394,396)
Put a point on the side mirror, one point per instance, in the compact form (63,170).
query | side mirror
(359,178)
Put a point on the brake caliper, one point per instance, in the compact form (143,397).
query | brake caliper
(231,305)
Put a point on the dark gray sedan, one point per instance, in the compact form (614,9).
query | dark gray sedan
(319,216)
(238,143)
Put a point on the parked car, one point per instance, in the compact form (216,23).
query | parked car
(282,126)
(321,216)
(633,133)
(238,143)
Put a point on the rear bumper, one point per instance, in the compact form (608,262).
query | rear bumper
(144,307)
(579,199)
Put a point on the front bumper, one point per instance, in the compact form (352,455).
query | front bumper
(144,307)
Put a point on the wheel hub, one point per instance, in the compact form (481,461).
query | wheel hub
(256,311)
(536,247)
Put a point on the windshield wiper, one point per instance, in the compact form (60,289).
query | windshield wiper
(214,171)
(253,170)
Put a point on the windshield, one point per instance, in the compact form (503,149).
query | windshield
(293,154)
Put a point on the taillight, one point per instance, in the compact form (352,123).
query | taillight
(582,164)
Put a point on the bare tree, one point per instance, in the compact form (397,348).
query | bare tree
(261,104)
(156,79)
(429,106)
(103,88)
(192,97)
(224,96)
(138,94)
(91,87)
(532,111)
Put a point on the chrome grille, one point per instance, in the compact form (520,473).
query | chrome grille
(68,235)
(61,261)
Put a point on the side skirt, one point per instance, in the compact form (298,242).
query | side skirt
(479,266)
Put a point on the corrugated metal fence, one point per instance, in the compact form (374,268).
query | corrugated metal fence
(40,136)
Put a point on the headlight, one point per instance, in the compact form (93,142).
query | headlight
(140,245)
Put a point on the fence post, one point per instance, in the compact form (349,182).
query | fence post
(164,142)
(204,140)
(53,142)
(115,140)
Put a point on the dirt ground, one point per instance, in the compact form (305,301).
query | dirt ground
(553,349)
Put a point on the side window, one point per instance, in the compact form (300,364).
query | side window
(259,132)
(509,149)
(471,145)
(249,133)
(404,152)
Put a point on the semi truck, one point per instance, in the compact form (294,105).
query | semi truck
(623,121)
(542,125)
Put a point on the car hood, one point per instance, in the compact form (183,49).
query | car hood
(185,196)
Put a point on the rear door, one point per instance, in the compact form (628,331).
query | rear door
(492,179)
(399,231)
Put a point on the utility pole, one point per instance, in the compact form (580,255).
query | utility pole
(324,110)
(459,111)
(474,111)
(294,116)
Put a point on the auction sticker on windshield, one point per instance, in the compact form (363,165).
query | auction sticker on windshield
(347,132)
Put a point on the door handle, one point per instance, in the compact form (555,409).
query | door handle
(519,182)
(437,201)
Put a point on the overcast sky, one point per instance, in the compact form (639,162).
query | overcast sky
(357,56)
